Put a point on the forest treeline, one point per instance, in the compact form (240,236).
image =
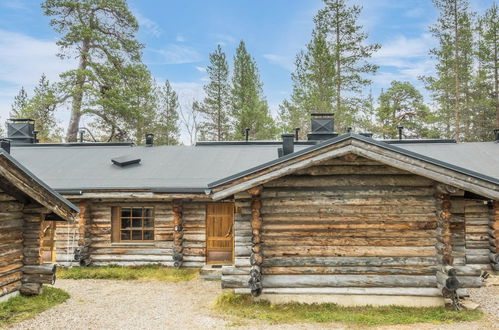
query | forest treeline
(114,91)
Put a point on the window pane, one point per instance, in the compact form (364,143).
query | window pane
(148,235)
(125,212)
(148,223)
(137,223)
(136,235)
(148,212)
(125,223)
(125,235)
(136,212)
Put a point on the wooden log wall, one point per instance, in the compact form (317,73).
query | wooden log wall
(477,234)
(349,222)
(494,235)
(94,232)
(34,217)
(11,244)
(178,234)
(256,256)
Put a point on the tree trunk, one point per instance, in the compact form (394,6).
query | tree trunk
(496,80)
(74,122)
(338,63)
(457,110)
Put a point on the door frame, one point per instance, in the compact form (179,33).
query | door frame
(207,262)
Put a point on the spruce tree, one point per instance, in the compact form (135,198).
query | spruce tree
(41,108)
(249,107)
(215,107)
(348,45)
(166,124)
(313,86)
(110,80)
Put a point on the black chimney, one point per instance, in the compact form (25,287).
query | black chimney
(82,132)
(297,137)
(400,128)
(21,131)
(246,134)
(35,140)
(496,134)
(5,145)
(149,140)
(288,146)
(322,126)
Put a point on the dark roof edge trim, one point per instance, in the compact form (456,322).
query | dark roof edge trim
(342,138)
(40,182)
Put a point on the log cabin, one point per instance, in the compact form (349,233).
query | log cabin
(341,218)
(29,211)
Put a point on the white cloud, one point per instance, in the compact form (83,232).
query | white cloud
(23,60)
(149,25)
(201,69)
(223,39)
(173,54)
(13,4)
(403,47)
(180,38)
(283,61)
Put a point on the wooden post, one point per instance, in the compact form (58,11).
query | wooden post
(32,249)
(494,235)
(446,275)
(178,233)
(84,240)
(256,258)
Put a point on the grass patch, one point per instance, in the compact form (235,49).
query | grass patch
(19,308)
(244,306)
(141,273)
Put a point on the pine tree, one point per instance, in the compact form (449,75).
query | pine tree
(41,108)
(249,108)
(347,43)
(215,107)
(110,81)
(451,86)
(403,105)
(313,86)
(166,124)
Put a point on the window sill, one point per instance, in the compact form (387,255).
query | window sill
(133,244)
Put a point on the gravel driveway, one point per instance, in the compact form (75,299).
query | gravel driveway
(106,304)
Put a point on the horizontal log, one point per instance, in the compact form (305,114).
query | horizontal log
(348,261)
(31,289)
(404,270)
(477,259)
(350,233)
(341,201)
(357,226)
(351,180)
(39,278)
(348,241)
(348,169)
(428,210)
(351,251)
(47,269)
(306,281)
(11,287)
(404,291)
(345,192)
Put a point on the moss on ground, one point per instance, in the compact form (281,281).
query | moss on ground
(243,306)
(141,273)
(19,308)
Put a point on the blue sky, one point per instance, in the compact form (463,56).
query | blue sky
(179,35)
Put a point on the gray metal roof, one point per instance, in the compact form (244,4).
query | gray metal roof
(193,168)
(49,190)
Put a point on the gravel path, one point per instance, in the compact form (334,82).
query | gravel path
(106,304)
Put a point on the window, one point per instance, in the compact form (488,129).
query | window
(133,224)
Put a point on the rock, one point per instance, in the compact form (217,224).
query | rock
(468,304)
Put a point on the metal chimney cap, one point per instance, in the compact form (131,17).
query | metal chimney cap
(287,135)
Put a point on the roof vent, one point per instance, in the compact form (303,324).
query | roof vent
(125,160)
(368,135)
(21,131)
(322,126)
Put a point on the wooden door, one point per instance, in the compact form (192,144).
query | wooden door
(219,233)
